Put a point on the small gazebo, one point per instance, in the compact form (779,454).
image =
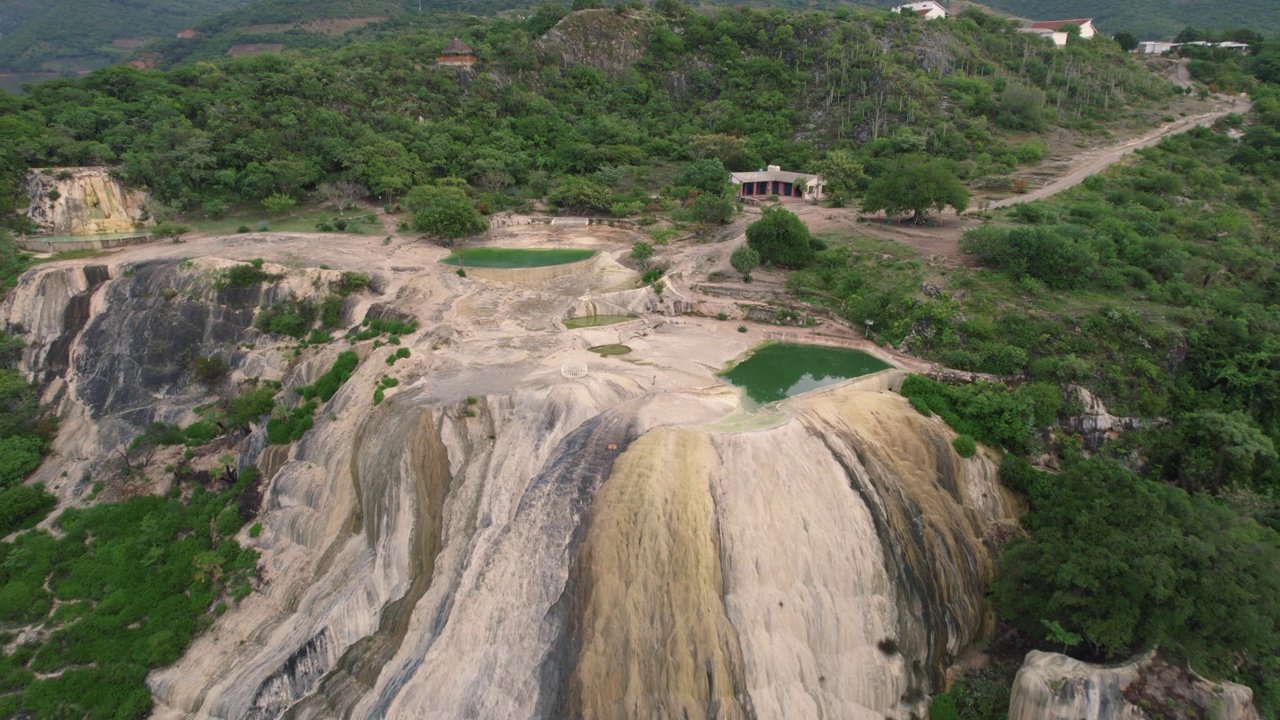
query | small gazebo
(457,54)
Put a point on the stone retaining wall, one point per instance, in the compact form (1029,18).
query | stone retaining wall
(34,244)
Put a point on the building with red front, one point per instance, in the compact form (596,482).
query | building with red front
(788,186)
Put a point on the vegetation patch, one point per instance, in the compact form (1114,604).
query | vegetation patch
(122,591)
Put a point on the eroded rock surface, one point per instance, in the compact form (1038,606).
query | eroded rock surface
(1050,686)
(82,201)
(524,528)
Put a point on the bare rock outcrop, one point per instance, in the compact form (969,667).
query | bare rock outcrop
(1094,423)
(608,41)
(1050,686)
(82,201)
(523,528)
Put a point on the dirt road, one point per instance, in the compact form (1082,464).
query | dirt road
(1094,162)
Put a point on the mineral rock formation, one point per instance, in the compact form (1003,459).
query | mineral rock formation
(523,528)
(1050,686)
(82,201)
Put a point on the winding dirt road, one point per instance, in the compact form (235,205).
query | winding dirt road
(1095,161)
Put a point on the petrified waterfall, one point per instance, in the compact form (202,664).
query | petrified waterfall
(620,540)
(82,201)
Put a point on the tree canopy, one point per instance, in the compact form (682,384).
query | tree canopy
(917,184)
(444,211)
(1125,563)
(780,238)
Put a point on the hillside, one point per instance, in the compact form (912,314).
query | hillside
(1152,19)
(63,35)
(279,25)
(297,463)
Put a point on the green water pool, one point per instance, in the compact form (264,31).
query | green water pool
(608,350)
(587,321)
(782,370)
(516,257)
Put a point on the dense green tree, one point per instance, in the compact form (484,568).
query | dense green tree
(916,184)
(444,212)
(843,175)
(780,238)
(713,208)
(1126,563)
(582,196)
(1126,40)
(707,175)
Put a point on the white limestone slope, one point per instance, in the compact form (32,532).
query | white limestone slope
(526,529)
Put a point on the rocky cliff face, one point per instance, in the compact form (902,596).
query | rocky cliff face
(608,41)
(523,528)
(1050,686)
(82,201)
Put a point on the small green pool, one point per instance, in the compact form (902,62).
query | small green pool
(587,321)
(608,350)
(781,370)
(516,257)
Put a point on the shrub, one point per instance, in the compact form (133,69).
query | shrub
(209,371)
(965,446)
(23,506)
(249,407)
(745,260)
(331,311)
(278,203)
(240,276)
(242,229)
(327,385)
(351,282)
(943,707)
(1018,474)
(641,251)
(291,426)
(19,455)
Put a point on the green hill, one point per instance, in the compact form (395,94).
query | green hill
(67,35)
(1153,19)
(278,25)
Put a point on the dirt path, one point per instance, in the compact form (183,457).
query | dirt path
(1094,162)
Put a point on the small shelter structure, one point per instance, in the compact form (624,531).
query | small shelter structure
(788,186)
(1087,30)
(1059,38)
(457,54)
(1157,47)
(928,9)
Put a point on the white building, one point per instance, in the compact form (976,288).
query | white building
(1156,47)
(928,9)
(1087,30)
(1059,38)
